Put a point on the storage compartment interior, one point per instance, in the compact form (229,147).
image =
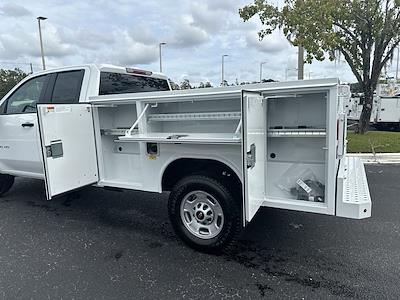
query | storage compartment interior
(210,117)
(195,121)
(116,119)
(296,146)
(121,161)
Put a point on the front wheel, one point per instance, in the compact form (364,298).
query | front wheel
(6,182)
(204,213)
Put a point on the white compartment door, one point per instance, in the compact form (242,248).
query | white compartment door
(68,147)
(253,146)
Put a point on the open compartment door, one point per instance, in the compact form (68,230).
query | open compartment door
(253,147)
(68,147)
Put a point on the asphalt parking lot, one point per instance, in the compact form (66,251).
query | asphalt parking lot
(101,244)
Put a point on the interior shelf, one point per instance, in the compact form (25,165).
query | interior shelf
(303,132)
(193,138)
(115,131)
(234,115)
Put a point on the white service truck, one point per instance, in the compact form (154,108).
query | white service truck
(222,153)
(385,114)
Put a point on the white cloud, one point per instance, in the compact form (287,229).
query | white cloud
(197,33)
(130,52)
(55,45)
(18,44)
(270,44)
(143,34)
(187,34)
(86,38)
(212,21)
(227,5)
(14,10)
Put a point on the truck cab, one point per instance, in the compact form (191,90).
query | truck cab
(20,153)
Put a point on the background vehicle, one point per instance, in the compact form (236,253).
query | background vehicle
(388,113)
(385,113)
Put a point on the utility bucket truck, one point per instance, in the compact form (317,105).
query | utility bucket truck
(222,153)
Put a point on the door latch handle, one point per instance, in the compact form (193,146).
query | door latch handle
(251,157)
(27,124)
(55,149)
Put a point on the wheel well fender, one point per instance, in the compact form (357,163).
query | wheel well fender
(183,167)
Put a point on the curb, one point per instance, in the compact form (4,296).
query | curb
(379,158)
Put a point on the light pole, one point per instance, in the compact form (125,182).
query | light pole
(41,41)
(222,69)
(159,48)
(397,66)
(261,65)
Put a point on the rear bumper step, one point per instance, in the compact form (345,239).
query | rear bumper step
(352,198)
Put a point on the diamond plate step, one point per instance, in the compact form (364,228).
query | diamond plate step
(352,198)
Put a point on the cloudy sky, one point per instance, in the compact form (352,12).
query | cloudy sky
(127,33)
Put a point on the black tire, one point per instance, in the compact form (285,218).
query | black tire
(6,182)
(231,225)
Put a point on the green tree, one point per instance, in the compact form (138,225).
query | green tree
(174,86)
(206,84)
(268,80)
(8,79)
(365,32)
(225,83)
(355,87)
(185,85)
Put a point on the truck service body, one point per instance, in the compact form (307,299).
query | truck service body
(222,152)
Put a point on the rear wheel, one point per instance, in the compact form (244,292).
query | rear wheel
(6,182)
(204,213)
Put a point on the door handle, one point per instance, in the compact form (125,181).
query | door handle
(55,149)
(27,124)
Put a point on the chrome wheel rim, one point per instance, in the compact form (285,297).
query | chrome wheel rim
(202,214)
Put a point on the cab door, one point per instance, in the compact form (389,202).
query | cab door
(19,141)
(68,146)
(254,149)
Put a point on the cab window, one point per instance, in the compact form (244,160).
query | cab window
(24,99)
(67,87)
(116,83)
